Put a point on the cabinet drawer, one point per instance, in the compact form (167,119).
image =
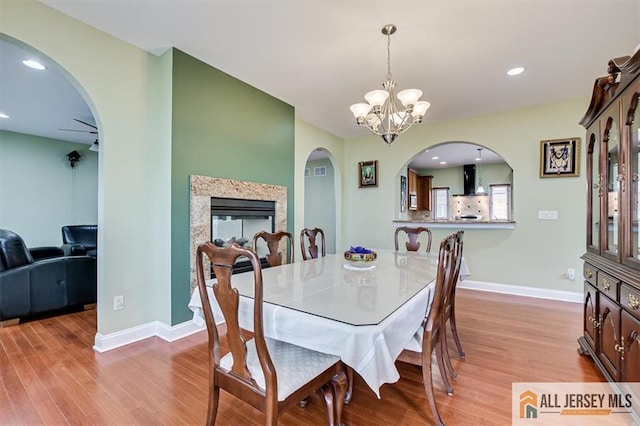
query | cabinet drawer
(589,273)
(608,285)
(630,299)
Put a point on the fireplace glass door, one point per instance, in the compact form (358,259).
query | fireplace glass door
(238,220)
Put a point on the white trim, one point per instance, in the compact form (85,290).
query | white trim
(540,293)
(115,340)
(171,334)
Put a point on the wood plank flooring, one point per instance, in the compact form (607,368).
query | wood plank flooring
(49,373)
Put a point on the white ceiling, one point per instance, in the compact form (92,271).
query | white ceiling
(40,102)
(322,56)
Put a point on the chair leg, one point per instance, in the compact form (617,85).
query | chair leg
(349,393)
(339,383)
(212,410)
(454,331)
(445,353)
(327,394)
(427,380)
(439,348)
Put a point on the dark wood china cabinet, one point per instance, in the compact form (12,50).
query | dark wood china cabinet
(612,260)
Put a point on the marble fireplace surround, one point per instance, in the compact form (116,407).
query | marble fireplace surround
(202,188)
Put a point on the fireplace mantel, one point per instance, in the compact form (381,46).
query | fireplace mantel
(202,188)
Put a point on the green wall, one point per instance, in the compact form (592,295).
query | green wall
(221,127)
(40,192)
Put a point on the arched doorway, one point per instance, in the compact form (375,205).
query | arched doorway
(46,118)
(320,196)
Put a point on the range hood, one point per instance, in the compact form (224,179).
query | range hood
(469,179)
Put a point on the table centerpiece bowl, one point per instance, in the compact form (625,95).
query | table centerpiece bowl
(360,257)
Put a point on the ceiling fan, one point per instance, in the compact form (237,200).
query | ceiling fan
(95,146)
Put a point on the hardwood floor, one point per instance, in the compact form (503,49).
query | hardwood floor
(49,373)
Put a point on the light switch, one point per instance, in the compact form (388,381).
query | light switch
(548,214)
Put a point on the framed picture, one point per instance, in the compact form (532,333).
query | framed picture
(403,193)
(368,172)
(560,158)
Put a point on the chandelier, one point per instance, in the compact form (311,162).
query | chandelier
(380,114)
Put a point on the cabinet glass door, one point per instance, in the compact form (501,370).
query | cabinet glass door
(612,186)
(634,188)
(595,193)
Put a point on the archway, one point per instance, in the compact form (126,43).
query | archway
(320,199)
(466,181)
(51,191)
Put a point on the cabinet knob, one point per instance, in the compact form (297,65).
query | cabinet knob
(633,301)
(589,273)
(606,285)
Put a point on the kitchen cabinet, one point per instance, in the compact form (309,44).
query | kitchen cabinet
(611,314)
(418,190)
(424,192)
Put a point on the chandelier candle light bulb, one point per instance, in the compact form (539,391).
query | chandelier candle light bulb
(381,115)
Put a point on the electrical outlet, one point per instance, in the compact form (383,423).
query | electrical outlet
(571,274)
(118,303)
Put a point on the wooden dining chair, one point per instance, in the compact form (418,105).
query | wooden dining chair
(311,252)
(412,234)
(449,313)
(274,257)
(431,330)
(268,374)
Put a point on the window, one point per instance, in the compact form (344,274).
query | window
(320,171)
(500,201)
(440,203)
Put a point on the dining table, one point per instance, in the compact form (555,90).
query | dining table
(364,314)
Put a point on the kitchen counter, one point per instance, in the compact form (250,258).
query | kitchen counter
(458,224)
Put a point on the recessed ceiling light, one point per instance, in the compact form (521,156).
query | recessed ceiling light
(34,64)
(3,115)
(435,157)
(443,162)
(515,71)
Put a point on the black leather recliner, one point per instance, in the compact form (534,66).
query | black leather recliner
(29,287)
(79,240)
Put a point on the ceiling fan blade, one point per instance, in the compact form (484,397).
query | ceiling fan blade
(81,131)
(85,123)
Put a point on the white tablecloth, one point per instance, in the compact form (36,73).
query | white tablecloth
(371,350)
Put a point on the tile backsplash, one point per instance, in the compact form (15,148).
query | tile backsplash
(477,205)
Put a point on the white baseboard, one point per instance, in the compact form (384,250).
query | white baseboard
(540,293)
(115,340)
(111,341)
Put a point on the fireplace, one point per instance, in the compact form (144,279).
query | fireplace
(238,220)
(204,188)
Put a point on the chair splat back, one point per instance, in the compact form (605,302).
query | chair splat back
(412,234)
(228,298)
(311,252)
(275,257)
